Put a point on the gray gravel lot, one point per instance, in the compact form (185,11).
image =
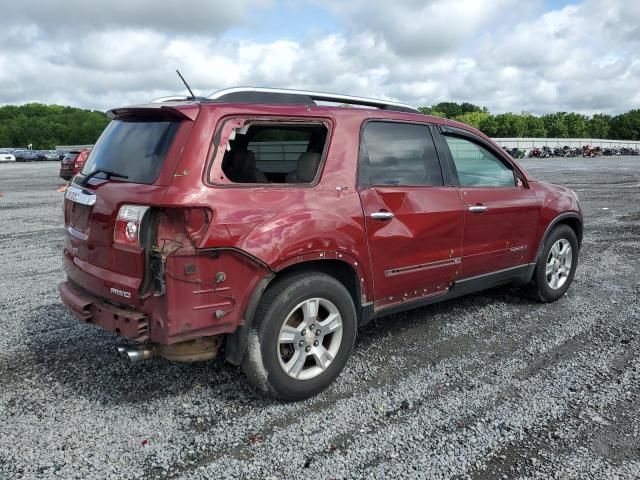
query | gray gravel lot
(488,386)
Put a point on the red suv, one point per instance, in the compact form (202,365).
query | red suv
(260,220)
(72,163)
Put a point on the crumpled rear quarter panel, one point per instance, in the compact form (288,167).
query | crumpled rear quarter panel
(206,293)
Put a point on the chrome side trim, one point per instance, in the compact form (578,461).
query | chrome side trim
(423,266)
(462,287)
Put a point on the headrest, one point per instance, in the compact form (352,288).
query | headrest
(308,163)
(244,161)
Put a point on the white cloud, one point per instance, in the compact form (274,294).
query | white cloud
(424,28)
(187,16)
(497,54)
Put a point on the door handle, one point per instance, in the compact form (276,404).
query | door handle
(382,215)
(478,208)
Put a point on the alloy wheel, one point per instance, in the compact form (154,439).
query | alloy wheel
(559,264)
(309,338)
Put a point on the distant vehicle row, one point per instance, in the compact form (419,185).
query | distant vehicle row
(25,155)
(566,151)
(70,162)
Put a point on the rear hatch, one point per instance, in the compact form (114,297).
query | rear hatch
(129,168)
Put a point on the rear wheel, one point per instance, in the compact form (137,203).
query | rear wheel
(303,333)
(556,266)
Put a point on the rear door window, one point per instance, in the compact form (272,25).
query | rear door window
(132,148)
(393,153)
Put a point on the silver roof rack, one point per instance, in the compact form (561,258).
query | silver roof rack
(283,95)
(172,98)
(176,98)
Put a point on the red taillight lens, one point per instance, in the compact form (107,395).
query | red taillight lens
(128,224)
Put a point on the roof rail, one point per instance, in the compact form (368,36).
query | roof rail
(283,95)
(175,98)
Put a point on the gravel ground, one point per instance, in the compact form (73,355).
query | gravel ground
(487,386)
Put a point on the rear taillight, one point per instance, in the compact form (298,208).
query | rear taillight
(127,230)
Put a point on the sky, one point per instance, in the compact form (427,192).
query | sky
(507,55)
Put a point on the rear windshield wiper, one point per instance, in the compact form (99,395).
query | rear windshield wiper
(108,173)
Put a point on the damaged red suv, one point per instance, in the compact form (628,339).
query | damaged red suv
(266,222)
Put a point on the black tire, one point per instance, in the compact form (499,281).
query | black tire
(261,362)
(539,288)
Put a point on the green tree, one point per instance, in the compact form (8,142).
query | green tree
(555,125)
(46,126)
(452,109)
(599,126)
(489,126)
(510,125)
(577,125)
(533,126)
(626,126)
(474,119)
(432,112)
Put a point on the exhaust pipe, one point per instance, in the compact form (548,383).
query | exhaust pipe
(197,350)
(136,354)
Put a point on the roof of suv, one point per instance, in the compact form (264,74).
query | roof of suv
(260,95)
(188,106)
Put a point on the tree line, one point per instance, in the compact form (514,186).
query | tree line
(45,126)
(625,126)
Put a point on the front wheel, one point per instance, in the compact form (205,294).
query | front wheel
(303,333)
(556,265)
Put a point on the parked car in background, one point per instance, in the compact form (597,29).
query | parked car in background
(19,153)
(72,163)
(51,155)
(27,156)
(7,156)
(281,260)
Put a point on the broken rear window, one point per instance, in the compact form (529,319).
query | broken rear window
(270,152)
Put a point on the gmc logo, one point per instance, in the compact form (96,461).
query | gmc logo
(120,293)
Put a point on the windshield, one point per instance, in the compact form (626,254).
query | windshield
(134,148)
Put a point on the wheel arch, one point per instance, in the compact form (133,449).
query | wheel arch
(571,219)
(346,271)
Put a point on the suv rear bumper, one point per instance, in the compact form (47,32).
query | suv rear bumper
(89,309)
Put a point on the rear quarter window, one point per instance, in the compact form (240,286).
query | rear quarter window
(133,148)
(477,166)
